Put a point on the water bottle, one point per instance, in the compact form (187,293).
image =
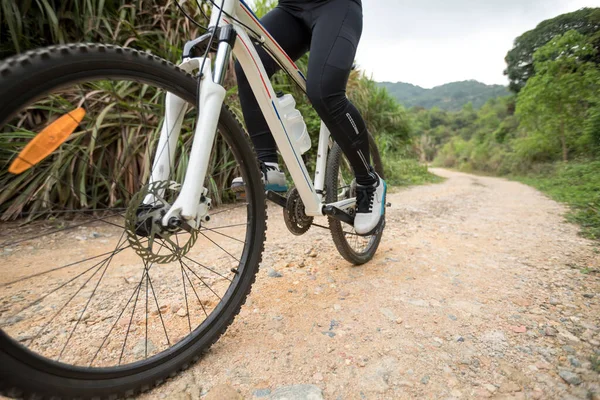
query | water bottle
(294,122)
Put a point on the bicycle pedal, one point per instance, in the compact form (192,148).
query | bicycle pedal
(240,195)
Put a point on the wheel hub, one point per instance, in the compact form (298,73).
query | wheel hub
(164,244)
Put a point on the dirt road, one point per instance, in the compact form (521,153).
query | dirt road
(479,290)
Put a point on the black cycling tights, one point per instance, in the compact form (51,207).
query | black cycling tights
(330,30)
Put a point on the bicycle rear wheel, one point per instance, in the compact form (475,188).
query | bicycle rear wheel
(91,305)
(339,186)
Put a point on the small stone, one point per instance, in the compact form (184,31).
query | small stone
(318,377)
(452,317)
(389,314)
(574,361)
(568,337)
(490,388)
(569,349)
(399,321)
(337,307)
(537,394)
(297,392)
(510,387)
(273,274)
(588,295)
(223,392)
(519,329)
(95,235)
(182,312)
(460,339)
(543,365)
(142,348)
(554,301)
(425,380)
(261,392)
(569,377)
(549,331)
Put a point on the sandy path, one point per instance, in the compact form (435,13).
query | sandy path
(479,290)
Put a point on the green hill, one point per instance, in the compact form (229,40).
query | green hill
(451,96)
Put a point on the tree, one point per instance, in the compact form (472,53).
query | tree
(519,59)
(554,102)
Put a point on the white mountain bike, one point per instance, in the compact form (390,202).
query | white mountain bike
(114,275)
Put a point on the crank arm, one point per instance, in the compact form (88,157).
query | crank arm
(338,214)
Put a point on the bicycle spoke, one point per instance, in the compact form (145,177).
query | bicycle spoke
(158,308)
(63,307)
(64,284)
(59,230)
(205,267)
(146,342)
(117,320)
(229,209)
(215,243)
(57,268)
(187,307)
(222,234)
(131,318)
(196,293)
(200,279)
(108,261)
(223,227)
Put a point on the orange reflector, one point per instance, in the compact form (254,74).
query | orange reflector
(47,141)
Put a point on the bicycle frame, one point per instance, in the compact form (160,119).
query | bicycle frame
(188,205)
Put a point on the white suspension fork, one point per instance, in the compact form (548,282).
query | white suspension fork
(187,207)
(175,109)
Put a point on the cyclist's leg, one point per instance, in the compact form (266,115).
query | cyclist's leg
(294,38)
(337,27)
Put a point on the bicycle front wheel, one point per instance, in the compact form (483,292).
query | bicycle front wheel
(339,183)
(92,304)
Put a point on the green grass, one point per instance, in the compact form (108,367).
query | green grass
(595,360)
(408,172)
(576,184)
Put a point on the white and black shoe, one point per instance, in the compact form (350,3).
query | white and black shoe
(370,207)
(272,176)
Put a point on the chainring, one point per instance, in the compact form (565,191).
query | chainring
(143,222)
(294,214)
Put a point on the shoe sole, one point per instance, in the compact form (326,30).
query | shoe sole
(271,187)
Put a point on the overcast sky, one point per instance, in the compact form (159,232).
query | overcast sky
(432,42)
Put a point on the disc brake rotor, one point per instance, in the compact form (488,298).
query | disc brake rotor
(145,232)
